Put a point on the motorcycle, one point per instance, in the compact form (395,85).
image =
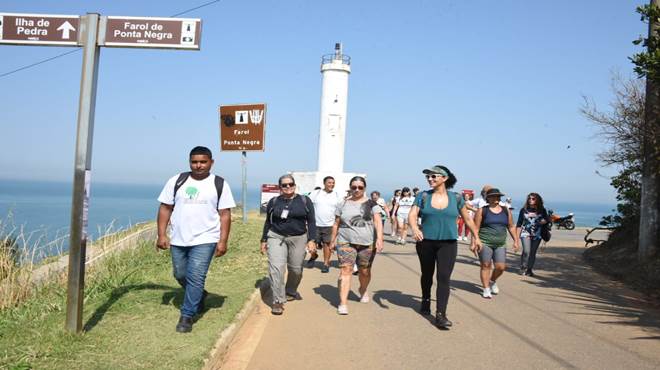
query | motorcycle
(566,222)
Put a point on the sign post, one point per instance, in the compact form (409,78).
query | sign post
(91,32)
(81,173)
(243,128)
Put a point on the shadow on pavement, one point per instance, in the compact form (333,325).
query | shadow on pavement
(331,294)
(563,268)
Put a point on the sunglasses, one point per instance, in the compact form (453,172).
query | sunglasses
(357,187)
(288,185)
(434,176)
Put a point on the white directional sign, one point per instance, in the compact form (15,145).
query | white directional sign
(39,29)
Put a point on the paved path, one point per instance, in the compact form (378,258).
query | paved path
(566,317)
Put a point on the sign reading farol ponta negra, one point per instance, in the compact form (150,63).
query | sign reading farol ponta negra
(39,29)
(152,32)
(242,127)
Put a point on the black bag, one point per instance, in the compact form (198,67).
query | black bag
(545,232)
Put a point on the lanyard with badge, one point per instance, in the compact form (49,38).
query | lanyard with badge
(285,211)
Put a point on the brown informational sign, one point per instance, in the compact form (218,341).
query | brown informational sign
(243,127)
(39,29)
(140,32)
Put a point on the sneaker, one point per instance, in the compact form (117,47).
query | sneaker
(425,308)
(486,293)
(529,273)
(441,321)
(185,325)
(277,309)
(342,309)
(325,269)
(293,297)
(522,271)
(312,258)
(364,298)
(494,288)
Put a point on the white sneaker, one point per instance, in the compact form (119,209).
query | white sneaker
(365,298)
(494,288)
(486,293)
(342,309)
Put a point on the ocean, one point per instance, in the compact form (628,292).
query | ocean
(41,210)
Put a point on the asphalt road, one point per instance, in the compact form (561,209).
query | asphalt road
(567,316)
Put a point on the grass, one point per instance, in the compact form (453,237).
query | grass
(131,308)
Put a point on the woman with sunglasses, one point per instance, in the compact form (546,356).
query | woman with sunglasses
(436,241)
(531,219)
(493,221)
(357,223)
(290,225)
(402,211)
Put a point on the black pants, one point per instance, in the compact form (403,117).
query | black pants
(440,253)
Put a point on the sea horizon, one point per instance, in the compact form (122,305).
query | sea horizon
(41,208)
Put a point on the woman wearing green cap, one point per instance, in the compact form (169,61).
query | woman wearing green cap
(436,241)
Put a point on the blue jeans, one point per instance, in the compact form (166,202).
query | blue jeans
(190,265)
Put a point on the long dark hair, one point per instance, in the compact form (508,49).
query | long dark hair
(539,202)
(451,178)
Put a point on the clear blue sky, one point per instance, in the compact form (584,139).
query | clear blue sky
(490,89)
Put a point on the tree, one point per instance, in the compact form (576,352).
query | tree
(647,65)
(621,128)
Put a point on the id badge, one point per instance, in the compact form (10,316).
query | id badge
(285,214)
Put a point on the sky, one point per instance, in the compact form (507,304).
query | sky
(490,89)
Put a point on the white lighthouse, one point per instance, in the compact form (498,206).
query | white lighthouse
(335,69)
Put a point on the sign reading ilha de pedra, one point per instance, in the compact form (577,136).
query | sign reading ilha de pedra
(242,127)
(39,29)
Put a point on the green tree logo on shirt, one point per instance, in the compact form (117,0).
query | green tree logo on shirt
(192,192)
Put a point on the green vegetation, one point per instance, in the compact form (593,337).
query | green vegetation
(131,308)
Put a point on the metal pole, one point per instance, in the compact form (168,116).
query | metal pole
(83,159)
(244,168)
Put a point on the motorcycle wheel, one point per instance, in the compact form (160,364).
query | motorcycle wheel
(569,225)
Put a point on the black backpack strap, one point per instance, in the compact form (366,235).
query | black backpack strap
(179,182)
(219,185)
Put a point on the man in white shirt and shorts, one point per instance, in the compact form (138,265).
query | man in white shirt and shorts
(325,205)
(197,206)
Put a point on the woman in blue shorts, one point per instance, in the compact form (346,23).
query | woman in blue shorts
(493,221)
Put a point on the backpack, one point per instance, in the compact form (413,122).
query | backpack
(219,184)
(273,201)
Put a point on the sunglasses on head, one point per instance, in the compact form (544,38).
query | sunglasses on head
(433,176)
(357,187)
(288,185)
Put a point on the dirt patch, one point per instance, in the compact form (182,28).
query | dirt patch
(617,258)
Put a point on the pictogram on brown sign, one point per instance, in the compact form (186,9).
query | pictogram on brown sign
(243,127)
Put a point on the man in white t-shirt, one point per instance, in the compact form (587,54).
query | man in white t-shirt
(325,205)
(196,205)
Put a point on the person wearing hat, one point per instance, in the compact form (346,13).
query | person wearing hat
(493,221)
(436,239)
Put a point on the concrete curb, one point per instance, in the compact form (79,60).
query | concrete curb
(221,346)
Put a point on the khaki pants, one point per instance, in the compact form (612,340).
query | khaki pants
(289,252)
